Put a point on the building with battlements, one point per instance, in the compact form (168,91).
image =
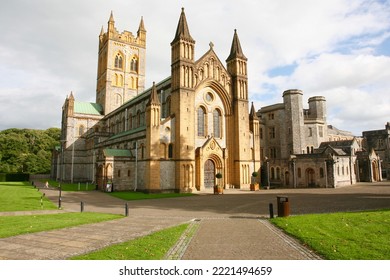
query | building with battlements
(299,149)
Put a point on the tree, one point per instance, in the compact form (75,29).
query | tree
(27,150)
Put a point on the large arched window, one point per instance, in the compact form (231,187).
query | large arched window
(201,121)
(217,123)
(138,120)
(119,61)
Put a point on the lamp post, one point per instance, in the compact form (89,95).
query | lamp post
(293,160)
(136,167)
(268,181)
(62,175)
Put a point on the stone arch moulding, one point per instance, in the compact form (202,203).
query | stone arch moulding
(221,91)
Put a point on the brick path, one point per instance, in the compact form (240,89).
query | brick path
(229,226)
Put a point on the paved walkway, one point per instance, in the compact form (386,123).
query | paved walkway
(229,226)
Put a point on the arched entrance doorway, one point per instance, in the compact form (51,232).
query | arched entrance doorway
(310,177)
(209,174)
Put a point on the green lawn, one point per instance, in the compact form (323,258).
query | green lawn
(343,236)
(72,187)
(141,195)
(21,196)
(151,247)
(15,225)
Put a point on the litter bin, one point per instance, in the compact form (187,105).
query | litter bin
(283,206)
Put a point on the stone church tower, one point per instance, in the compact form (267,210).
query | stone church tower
(121,66)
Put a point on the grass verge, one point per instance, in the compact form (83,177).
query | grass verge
(141,195)
(151,247)
(342,236)
(21,196)
(15,225)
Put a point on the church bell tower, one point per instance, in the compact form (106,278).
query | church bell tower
(121,66)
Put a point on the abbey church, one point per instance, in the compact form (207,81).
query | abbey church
(178,134)
(173,136)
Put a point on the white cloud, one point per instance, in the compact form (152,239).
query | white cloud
(49,48)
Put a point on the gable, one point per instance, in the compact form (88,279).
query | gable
(209,67)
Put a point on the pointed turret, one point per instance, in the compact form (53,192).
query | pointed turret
(236,50)
(111,24)
(111,19)
(70,104)
(141,33)
(252,114)
(182,31)
(154,97)
(182,55)
(141,27)
(71,97)
(101,35)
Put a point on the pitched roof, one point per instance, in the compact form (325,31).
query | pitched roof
(87,108)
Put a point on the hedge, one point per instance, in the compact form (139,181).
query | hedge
(14,177)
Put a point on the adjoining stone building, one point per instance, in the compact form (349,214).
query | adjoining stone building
(299,148)
(176,135)
(379,141)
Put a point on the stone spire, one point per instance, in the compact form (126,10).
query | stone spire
(141,27)
(182,31)
(236,50)
(141,33)
(252,114)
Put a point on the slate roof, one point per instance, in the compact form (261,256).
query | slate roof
(117,153)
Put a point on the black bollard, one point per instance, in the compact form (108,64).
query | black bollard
(81,206)
(271,211)
(126,209)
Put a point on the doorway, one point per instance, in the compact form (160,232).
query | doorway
(310,177)
(209,174)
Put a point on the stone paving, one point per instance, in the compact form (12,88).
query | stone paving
(229,226)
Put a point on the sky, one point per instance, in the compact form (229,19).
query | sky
(339,49)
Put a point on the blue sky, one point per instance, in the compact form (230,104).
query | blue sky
(339,49)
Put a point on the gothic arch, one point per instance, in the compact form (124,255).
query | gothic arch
(221,91)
